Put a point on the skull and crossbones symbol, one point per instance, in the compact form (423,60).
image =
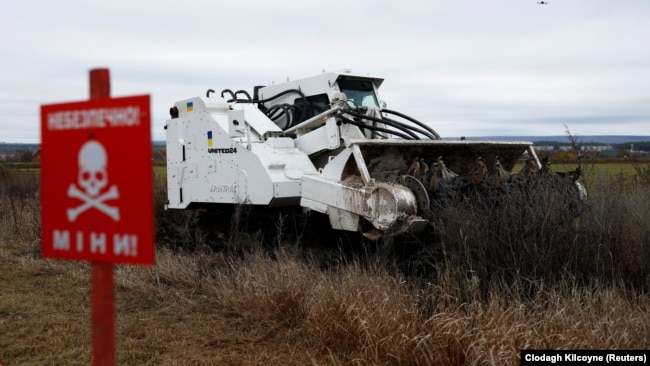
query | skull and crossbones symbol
(93,177)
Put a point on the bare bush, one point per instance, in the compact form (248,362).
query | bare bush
(20,206)
(524,233)
(545,235)
(642,173)
(615,228)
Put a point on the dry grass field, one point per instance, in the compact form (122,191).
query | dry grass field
(488,285)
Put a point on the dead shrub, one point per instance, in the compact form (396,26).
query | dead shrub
(20,205)
(544,234)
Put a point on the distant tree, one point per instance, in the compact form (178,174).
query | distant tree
(26,156)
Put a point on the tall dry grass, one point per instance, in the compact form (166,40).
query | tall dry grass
(490,283)
(367,314)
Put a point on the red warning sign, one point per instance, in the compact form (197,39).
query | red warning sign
(96,180)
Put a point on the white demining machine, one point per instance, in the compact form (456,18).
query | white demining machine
(327,144)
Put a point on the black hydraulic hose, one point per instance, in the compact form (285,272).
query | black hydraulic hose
(414,121)
(288,112)
(271,98)
(404,126)
(398,125)
(245,93)
(260,101)
(374,128)
(291,114)
(229,92)
(207,94)
(413,128)
(284,110)
(272,112)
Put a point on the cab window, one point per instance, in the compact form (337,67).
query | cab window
(360,93)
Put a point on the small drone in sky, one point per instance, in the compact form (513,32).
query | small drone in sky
(542,2)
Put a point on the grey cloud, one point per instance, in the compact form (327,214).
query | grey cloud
(467,67)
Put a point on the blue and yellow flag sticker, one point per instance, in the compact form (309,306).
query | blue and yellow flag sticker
(209,138)
(190,106)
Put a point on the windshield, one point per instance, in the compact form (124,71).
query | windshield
(359,92)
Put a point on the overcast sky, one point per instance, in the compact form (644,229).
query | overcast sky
(467,67)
